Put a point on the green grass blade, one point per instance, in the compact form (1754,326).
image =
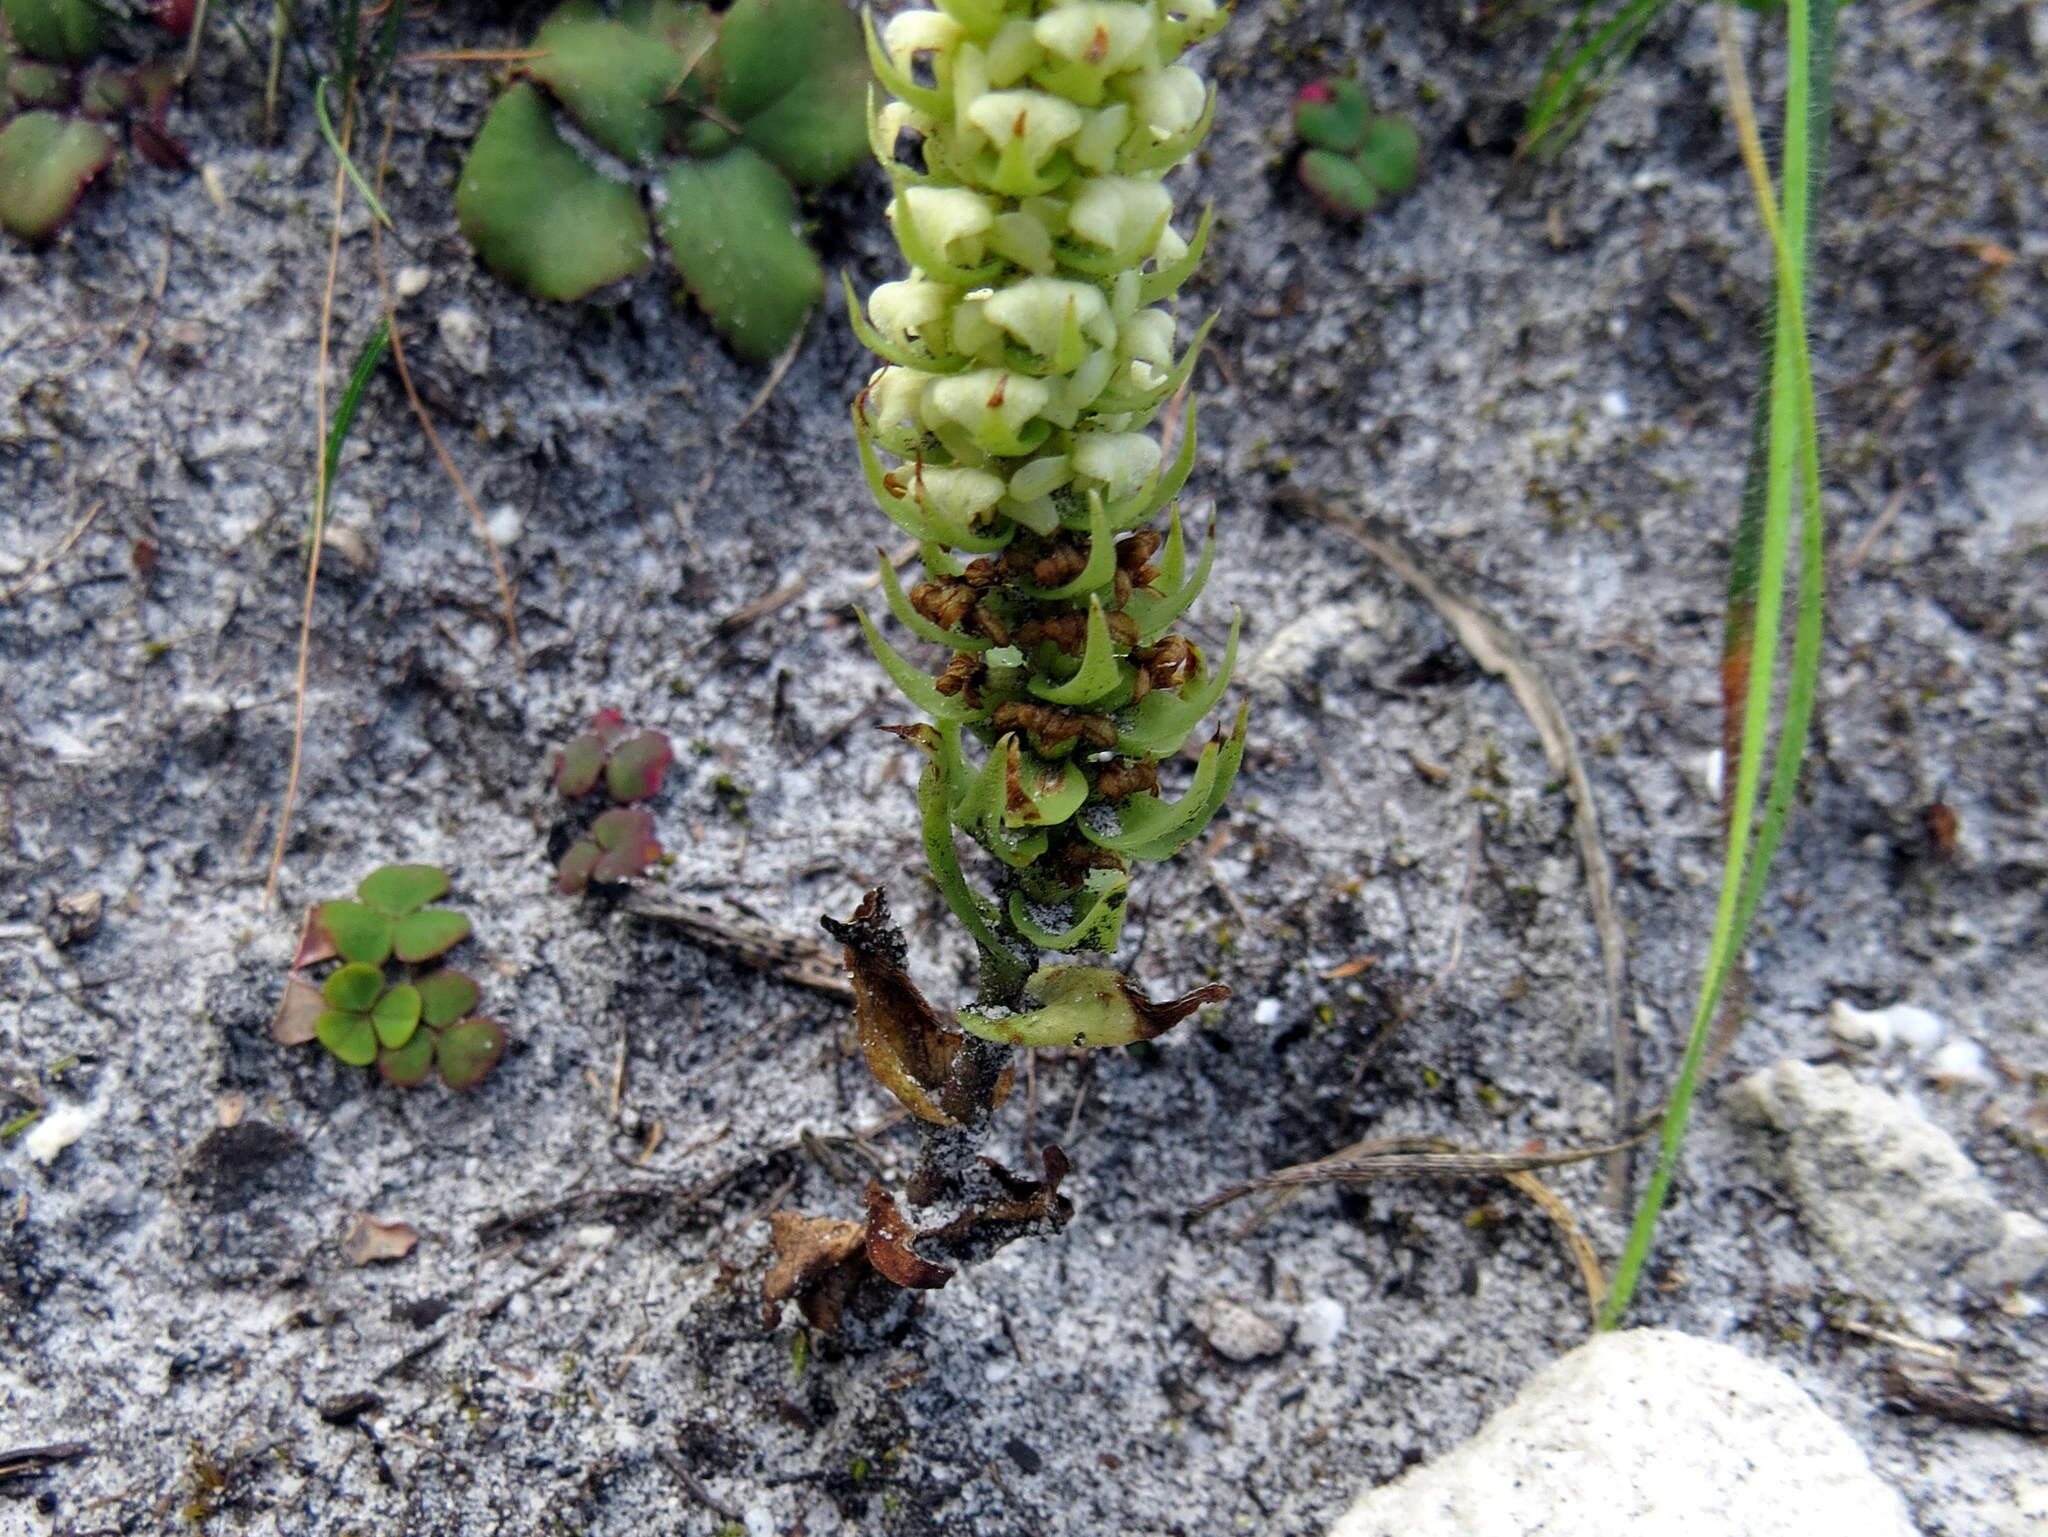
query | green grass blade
(1566,92)
(1790,454)
(345,418)
(341,152)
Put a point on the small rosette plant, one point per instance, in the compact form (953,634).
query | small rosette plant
(412,1018)
(1354,159)
(1027,354)
(628,765)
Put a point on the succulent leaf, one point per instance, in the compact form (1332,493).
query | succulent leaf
(397,890)
(617,81)
(1333,115)
(446,995)
(538,213)
(578,765)
(636,766)
(791,73)
(62,31)
(1339,183)
(46,163)
(730,225)
(572,875)
(1391,155)
(423,935)
(467,1051)
(626,843)
(1087,1006)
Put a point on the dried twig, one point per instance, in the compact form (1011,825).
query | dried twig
(795,958)
(694,1486)
(1498,652)
(25,1461)
(1969,1398)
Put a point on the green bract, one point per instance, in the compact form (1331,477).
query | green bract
(1028,351)
(407,1027)
(715,118)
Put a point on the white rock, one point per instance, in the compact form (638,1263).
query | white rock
(1900,1205)
(466,337)
(57,1130)
(1961,1064)
(505,525)
(1647,1433)
(1235,1332)
(411,282)
(1904,1025)
(2020,1258)
(1320,1322)
(1266,1012)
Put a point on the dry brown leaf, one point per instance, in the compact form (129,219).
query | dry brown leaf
(818,1262)
(315,943)
(298,1012)
(1351,968)
(907,1046)
(369,1241)
(890,1250)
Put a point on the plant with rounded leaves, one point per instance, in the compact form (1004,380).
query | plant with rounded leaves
(719,117)
(60,113)
(423,1021)
(1354,159)
(620,844)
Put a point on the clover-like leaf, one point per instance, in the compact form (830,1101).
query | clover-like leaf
(794,74)
(351,1037)
(1333,115)
(46,163)
(538,213)
(446,995)
(407,1066)
(578,765)
(423,935)
(397,890)
(636,766)
(396,1016)
(625,835)
(360,934)
(353,988)
(62,31)
(1391,155)
(730,224)
(617,81)
(1339,183)
(37,85)
(105,92)
(465,1052)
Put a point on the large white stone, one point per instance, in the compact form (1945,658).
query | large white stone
(1647,1433)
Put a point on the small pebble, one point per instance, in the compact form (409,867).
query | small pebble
(1904,1026)
(1961,1064)
(466,338)
(56,1131)
(1267,1012)
(1320,1322)
(505,524)
(1235,1332)
(596,1235)
(411,282)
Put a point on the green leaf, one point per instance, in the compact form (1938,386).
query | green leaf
(467,1051)
(626,836)
(397,890)
(1391,155)
(578,765)
(422,936)
(396,1016)
(408,1066)
(1157,724)
(1332,115)
(916,686)
(615,80)
(1339,183)
(446,995)
(730,224)
(538,213)
(46,164)
(360,933)
(353,988)
(350,1037)
(794,74)
(62,31)
(572,875)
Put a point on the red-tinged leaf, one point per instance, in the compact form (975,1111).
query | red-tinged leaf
(298,1013)
(396,1016)
(46,163)
(315,943)
(572,875)
(1333,115)
(609,725)
(636,766)
(466,1052)
(409,1066)
(626,836)
(174,16)
(446,995)
(578,765)
(422,936)
(158,147)
(890,1250)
